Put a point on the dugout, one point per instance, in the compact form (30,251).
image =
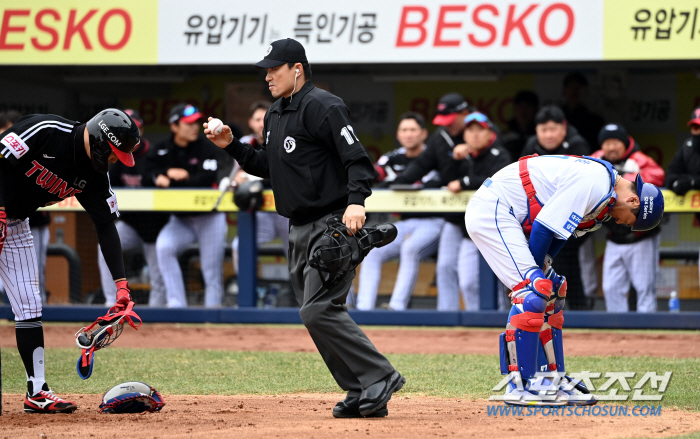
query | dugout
(638,60)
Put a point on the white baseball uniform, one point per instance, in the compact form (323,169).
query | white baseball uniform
(572,190)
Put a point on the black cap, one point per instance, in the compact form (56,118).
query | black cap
(185,112)
(447,108)
(695,117)
(283,51)
(613,131)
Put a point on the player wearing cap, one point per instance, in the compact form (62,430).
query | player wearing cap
(45,159)
(188,160)
(137,230)
(630,257)
(451,110)
(479,157)
(548,198)
(318,169)
(683,172)
(418,233)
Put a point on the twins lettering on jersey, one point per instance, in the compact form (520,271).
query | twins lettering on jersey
(51,183)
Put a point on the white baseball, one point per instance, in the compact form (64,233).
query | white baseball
(215,126)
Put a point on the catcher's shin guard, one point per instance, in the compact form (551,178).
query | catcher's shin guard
(551,357)
(519,344)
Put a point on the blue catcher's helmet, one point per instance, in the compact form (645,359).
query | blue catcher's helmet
(651,204)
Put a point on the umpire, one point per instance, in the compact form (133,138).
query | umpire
(318,169)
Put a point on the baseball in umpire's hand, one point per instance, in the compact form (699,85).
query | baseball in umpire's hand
(218,133)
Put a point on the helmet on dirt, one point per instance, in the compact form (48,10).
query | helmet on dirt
(651,206)
(112,130)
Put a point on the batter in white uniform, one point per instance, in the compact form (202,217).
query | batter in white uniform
(548,198)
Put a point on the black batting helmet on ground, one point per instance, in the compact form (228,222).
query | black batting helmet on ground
(112,130)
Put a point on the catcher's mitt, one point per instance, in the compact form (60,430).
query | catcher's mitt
(101,334)
(131,397)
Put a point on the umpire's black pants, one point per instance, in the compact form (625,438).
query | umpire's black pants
(352,359)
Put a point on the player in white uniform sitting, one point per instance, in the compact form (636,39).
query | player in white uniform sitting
(548,198)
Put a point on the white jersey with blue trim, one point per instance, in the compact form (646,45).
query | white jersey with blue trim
(571,189)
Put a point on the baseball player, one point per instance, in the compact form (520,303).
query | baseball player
(630,257)
(451,110)
(684,170)
(269,225)
(548,198)
(480,156)
(137,230)
(187,159)
(418,234)
(45,159)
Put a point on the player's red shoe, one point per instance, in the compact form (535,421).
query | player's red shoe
(46,402)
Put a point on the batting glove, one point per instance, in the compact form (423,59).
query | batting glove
(3,228)
(123,294)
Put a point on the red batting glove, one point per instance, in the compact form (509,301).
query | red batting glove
(3,228)
(123,296)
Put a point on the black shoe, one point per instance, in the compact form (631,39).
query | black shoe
(378,394)
(350,408)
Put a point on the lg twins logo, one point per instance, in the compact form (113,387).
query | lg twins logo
(15,145)
(290,144)
(111,136)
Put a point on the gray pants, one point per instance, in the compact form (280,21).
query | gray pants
(351,358)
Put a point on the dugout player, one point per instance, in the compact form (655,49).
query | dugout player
(554,135)
(188,160)
(45,159)
(418,233)
(137,230)
(683,172)
(480,156)
(451,110)
(269,225)
(630,257)
(318,169)
(548,198)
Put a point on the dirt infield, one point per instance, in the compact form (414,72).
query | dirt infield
(309,416)
(395,341)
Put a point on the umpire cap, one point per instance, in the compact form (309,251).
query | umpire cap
(112,130)
(283,51)
(651,206)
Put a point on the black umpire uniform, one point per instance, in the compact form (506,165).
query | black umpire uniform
(317,168)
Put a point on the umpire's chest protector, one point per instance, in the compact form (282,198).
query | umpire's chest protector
(306,171)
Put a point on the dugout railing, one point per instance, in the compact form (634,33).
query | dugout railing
(184,200)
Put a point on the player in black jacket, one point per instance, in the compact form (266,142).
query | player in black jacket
(45,159)
(555,135)
(318,169)
(188,159)
(479,157)
(137,230)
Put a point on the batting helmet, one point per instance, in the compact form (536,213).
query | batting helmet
(341,251)
(112,130)
(249,195)
(651,203)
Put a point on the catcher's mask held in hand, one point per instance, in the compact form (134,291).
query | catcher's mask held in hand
(101,334)
(341,251)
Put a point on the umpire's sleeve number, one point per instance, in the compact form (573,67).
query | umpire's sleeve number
(349,134)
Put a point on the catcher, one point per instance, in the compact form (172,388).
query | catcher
(45,159)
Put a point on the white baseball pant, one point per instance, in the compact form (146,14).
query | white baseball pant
(131,240)
(41,237)
(417,238)
(457,269)
(269,225)
(209,230)
(18,270)
(587,262)
(635,264)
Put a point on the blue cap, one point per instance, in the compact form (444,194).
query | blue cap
(651,206)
